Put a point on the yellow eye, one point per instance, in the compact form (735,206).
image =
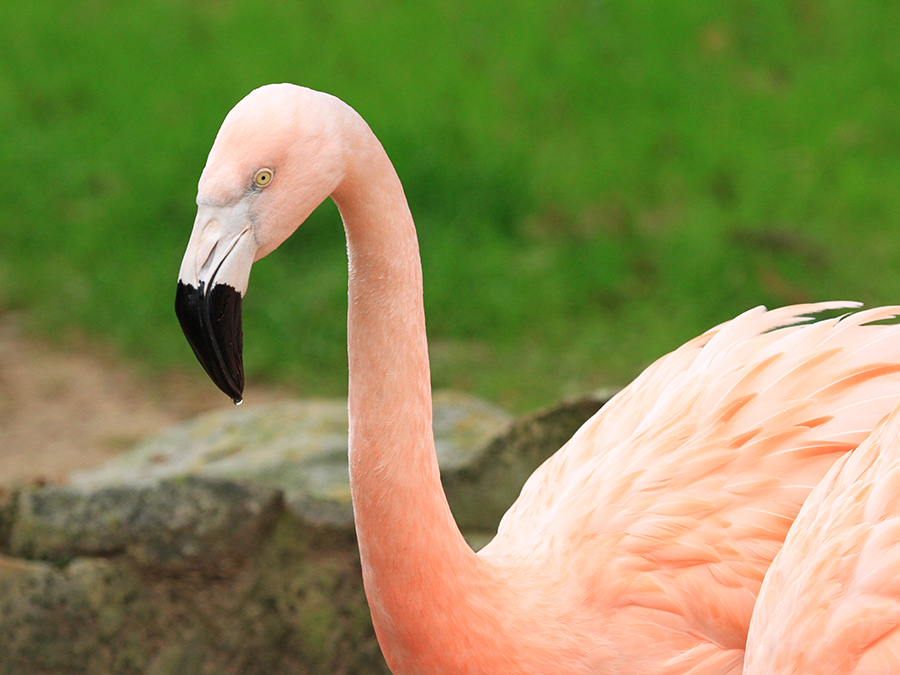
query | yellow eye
(263,177)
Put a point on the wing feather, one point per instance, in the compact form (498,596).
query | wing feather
(692,476)
(831,600)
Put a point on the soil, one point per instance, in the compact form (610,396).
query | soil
(72,408)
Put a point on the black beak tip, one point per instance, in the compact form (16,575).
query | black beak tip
(211,321)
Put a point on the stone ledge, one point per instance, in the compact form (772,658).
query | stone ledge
(174,525)
(142,569)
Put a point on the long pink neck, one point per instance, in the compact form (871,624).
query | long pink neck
(416,565)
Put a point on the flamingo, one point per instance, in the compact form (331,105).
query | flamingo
(830,602)
(641,545)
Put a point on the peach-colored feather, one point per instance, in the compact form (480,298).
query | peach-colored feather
(639,547)
(687,482)
(830,603)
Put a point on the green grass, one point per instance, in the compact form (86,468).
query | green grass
(594,182)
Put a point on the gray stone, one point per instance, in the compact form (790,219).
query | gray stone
(67,620)
(481,491)
(297,446)
(173,525)
(295,606)
(182,556)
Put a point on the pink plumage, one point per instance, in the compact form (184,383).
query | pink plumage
(831,600)
(640,547)
(686,483)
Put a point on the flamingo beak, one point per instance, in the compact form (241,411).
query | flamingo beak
(212,281)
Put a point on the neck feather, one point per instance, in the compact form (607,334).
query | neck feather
(436,606)
(415,561)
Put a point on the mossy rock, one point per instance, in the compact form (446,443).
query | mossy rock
(206,568)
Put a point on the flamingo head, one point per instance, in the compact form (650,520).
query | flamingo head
(275,158)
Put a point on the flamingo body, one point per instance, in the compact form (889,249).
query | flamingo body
(640,546)
(830,603)
(666,509)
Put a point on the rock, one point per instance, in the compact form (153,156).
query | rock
(297,446)
(8,501)
(481,491)
(69,620)
(296,606)
(174,525)
(183,556)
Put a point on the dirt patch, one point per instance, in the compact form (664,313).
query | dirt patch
(62,410)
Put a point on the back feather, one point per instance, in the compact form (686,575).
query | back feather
(668,506)
(831,600)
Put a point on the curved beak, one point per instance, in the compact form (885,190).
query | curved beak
(213,279)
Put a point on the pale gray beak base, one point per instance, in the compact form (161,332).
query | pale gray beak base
(212,280)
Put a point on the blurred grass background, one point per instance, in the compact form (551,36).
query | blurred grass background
(594,182)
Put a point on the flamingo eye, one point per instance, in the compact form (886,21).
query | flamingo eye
(263,177)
